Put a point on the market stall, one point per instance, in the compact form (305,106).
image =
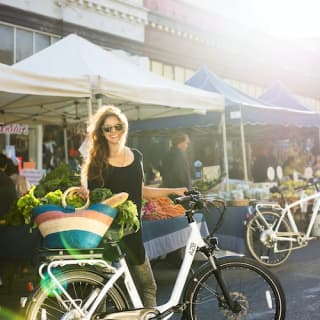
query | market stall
(164,236)
(231,230)
(244,111)
(56,86)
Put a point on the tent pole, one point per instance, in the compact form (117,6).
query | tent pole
(99,100)
(39,133)
(65,138)
(7,139)
(243,146)
(89,104)
(225,152)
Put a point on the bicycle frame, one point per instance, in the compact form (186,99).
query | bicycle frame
(86,311)
(286,211)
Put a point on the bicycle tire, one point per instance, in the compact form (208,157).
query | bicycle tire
(254,287)
(79,283)
(264,251)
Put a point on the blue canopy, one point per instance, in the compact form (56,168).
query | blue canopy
(277,106)
(184,121)
(279,95)
(253,110)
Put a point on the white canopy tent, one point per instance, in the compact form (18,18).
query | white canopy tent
(25,95)
(141,93)
(63,82)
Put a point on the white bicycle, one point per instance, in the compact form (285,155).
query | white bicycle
(272,232)
(84,286)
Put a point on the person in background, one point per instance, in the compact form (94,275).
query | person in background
(8,194)
(316,166)
(175,170)
(290,167)
(111,164)
(264,160)
(20,182)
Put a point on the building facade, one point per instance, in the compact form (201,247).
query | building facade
(175,37)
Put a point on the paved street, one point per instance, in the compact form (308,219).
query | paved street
(300,277)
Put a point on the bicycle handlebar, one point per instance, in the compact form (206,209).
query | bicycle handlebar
(193,199)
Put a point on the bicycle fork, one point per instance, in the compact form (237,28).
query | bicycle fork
(234,306)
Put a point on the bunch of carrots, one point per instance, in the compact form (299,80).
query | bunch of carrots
(161,208)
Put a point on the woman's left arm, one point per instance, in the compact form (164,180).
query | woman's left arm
(151,192)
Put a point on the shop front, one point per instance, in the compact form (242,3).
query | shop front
(20,142)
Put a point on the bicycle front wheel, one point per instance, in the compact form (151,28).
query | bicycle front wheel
(260,244)
(81,285)
(253,287)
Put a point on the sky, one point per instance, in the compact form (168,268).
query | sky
(280,18)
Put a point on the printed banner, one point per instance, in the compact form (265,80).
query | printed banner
(14,128)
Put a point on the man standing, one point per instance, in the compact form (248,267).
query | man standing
(175,170)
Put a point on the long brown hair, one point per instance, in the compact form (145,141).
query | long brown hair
(99,151)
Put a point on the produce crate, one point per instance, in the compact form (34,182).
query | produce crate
(238,203)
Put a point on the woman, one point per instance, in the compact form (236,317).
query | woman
(111,164)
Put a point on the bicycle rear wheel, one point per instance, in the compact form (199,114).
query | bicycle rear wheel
(80,285)
(251,285)
(259,243)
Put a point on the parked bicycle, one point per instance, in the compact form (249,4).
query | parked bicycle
(272,231)
(85,286)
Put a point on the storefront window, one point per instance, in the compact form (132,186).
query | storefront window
(172,72)
(168,71)
(156,67)
(54,40)
(179,74)
(41,41)
(21,144)
(6,44)
(24,44)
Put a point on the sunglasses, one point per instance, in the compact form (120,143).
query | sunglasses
(117,127)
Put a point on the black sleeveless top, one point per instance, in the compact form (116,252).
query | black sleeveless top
(127,179)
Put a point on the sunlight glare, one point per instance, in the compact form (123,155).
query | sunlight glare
(281,18)
(291,18)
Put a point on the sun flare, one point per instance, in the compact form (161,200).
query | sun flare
(291,18)
(282,18)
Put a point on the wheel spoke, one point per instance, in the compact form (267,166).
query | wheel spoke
(253,288)
(80,285)
(261,243)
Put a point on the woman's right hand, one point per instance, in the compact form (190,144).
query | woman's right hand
(83,192)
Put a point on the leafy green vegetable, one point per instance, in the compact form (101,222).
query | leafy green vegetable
(127,218)
(75,200)
(62,177)
(26,203)
(53,197)
(97,195)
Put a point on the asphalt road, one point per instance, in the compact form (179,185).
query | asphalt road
(300,277)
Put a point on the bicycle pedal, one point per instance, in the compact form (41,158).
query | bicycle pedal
(176,309)
(179,308)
